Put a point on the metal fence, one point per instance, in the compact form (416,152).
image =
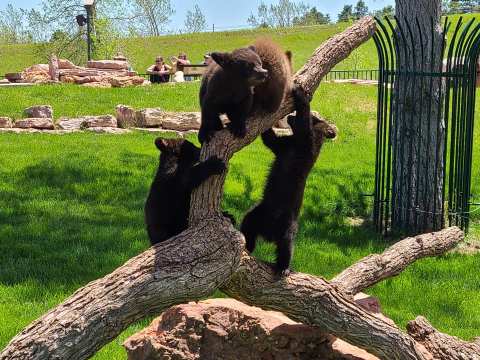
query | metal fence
(451,88)
(372,74)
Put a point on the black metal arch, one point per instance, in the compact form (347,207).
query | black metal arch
(458,72)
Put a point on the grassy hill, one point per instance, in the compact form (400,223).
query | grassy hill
(142,51)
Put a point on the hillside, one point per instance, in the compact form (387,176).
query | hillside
(142,51)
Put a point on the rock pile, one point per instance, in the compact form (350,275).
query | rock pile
(101,73)
(228,329)
(158,118)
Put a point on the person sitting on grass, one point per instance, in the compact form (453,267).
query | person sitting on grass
(159,72)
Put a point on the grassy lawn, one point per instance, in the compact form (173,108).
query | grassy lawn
(71,208)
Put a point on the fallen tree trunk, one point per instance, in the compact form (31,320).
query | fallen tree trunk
(442,346)
(377,267)
(203,258)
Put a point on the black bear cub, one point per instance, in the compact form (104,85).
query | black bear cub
(179,173)
(275,217)
(239,83)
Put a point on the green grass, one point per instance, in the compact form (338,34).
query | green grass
(71,208)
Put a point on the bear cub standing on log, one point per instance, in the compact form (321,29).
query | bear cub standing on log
(275,218)
(238,83)
(179,173)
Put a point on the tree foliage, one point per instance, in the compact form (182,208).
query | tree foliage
(312,17)
(346,14)
(281,14)
(360,10)
(387,11)
(460,6)
(195,20)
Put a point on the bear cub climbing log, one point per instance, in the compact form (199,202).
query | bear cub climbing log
(179,172)
(275,218)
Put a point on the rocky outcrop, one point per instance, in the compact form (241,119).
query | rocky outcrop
(126,116)
(39,111)
(108,64)
(99,121)
(178,121)
(5,122)
(70,124)
(35,123)
(228,329)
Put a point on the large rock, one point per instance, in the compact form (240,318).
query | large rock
(178,121)
(39,111)
(66,64)
(150,118)
(228,329)
(182,121)
(35,123)
(126,116)
(99,121)
(5,122)
(37,73)
(126,81)
(53,68)
(70,124)
(108,64)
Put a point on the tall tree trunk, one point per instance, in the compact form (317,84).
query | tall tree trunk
(418,133)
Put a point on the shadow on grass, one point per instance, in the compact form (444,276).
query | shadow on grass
(71,221)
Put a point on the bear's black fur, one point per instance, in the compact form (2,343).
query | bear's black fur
(275,217)
(242,82)
(227,88)
(168,203)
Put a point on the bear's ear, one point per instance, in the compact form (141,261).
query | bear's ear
(253,48)
(222,59)
(162,144)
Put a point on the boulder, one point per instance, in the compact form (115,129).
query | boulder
(99,121)
(125,81)
(150,117)
(70,124)
(5,122)
(228,329)
(53,68)
(182,121)
(35,123)
(66,64)
(39,111)
(36,73)
(177,121)
(126,116)
(108,64)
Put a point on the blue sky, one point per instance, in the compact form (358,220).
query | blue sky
(228,13)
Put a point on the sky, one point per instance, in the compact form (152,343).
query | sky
(228,13)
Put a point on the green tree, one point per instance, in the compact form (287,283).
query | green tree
(361,9)
(312,17)
(281,14)
(346,14)
(195,20)
(387,11)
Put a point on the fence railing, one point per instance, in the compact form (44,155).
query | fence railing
(372,74)
(368,74)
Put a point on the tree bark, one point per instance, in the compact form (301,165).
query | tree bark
(418,134)
(377,267)
(187,267)
(312,300)
(442,346)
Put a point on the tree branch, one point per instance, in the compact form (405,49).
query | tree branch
(442,346)
(377,267)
